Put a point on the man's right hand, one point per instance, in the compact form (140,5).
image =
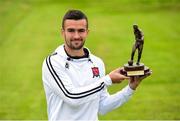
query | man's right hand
(116,76)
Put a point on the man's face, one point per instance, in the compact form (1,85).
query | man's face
(75,33)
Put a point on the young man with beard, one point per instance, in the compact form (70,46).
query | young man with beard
(74,79)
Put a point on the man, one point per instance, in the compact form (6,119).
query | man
(74,79)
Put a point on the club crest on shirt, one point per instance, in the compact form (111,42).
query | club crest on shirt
(95,71)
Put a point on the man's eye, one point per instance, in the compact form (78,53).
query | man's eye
(81,30)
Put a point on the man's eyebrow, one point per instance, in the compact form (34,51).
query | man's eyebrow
(81,29)
(70,28)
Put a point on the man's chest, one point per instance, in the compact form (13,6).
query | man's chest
(84,73)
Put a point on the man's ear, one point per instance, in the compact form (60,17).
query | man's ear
(88,31)
(62,31)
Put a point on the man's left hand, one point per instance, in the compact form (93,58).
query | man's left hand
(136,80)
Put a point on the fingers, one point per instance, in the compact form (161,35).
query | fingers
(147,74)
(116,76)
(150,72)
(125,77)
(118,69)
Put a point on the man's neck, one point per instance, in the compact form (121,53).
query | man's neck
(74,53)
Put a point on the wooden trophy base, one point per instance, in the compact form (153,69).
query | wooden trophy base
(135,70)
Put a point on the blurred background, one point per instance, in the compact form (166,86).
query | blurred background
(30,31)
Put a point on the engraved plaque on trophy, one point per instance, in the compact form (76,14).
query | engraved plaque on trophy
(136,68)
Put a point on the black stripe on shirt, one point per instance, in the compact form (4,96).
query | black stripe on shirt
(64,90)
(64,86)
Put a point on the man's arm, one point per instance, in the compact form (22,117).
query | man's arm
(110,102)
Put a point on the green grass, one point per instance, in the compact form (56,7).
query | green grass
(29,31)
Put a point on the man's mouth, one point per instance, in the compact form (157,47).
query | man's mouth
(76,40)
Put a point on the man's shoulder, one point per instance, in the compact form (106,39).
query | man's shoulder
(56,56)
(96,58)
(59,51)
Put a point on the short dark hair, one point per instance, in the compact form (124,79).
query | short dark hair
(74,15)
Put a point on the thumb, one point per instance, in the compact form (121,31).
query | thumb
(125,77)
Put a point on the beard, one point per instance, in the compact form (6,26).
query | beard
(75,44)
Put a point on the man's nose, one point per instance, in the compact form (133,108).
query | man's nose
(76,35)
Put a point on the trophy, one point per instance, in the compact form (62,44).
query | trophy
(132,68)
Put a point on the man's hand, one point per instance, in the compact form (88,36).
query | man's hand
(136,80)
(116,76)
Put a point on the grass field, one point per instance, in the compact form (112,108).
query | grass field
(30,30)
